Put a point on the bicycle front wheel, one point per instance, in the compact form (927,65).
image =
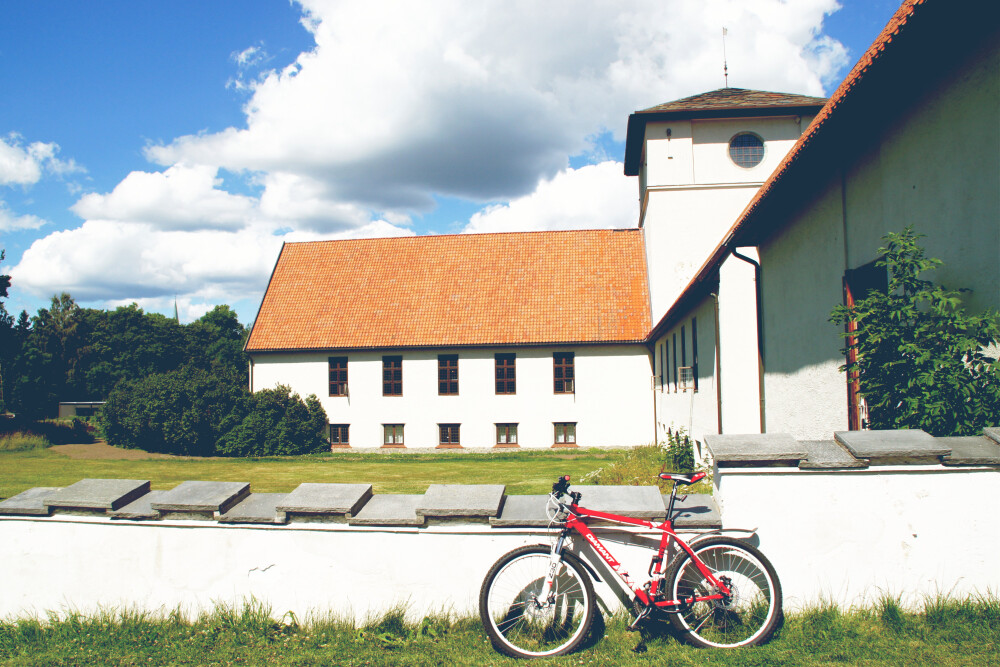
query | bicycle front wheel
(748,617)
(518,622)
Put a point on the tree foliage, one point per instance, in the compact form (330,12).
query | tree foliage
(194,412)
(921,359)
(68,353)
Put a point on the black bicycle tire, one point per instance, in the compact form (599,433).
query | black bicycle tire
(691,635)
(506,646)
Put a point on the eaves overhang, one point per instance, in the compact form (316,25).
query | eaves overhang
(637,121)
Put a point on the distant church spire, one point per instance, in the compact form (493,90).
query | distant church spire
(176,316)
(725,65)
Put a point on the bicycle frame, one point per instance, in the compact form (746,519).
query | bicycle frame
(575,522)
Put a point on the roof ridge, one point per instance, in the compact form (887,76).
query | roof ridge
(468,234)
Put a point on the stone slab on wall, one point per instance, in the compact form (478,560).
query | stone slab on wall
(98,494)
(257,508)
(30,502)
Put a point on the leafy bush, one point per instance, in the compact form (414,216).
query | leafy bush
(194,412)
(920,356)
(274,422)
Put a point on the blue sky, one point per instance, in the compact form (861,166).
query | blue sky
(153,151)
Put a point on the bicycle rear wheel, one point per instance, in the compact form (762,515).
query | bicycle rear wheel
(748,617)
(522,626)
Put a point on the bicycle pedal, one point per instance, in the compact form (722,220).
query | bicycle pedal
(646,611)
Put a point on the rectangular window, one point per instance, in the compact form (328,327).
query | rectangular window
(563,372)
(506,378)
(675,362)
(663,365)
(392,435)
(338,376)
(506,435)
(684,354)
(448,374)
(565,434)
(694,351)
(339,435)
(449,435)
(392,376)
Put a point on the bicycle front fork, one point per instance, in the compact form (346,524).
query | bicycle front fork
(545,595)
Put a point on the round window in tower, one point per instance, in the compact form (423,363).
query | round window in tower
(746,149)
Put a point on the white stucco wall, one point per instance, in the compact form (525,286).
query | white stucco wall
(804,393)
(851,536)
(691,192)
(738,345)
(612,405)
(937,168)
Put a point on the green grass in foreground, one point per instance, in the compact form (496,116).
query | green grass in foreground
(946,632)
(524,472)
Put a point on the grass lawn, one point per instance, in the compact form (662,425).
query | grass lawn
(945,633)
(524,472)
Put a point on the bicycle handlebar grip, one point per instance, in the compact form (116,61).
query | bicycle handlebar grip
(561,485)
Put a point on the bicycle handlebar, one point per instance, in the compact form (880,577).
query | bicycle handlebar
(561,486)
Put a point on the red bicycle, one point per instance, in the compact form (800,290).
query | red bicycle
(718,591)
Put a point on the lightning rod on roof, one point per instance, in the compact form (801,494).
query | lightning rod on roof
(725,65)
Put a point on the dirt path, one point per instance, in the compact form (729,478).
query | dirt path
(102,450)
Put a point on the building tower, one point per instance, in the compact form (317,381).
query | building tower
(699,161)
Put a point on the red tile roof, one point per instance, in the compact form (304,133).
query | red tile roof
(525,288)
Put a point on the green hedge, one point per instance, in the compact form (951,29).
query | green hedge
(193,412)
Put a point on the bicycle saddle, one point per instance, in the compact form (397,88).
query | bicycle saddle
(682,479)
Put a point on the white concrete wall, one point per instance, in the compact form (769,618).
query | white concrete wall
(937,169)
(852,536)
(611,405)
(64,564)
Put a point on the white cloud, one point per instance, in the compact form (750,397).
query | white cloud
(591,197)
(400,103)
(399,100)
(10,222)
(23,164)
(179,198)
(119,262)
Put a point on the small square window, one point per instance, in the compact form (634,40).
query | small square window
(392,435)
(565,434)
(449,435)
(339,435)
(506,435)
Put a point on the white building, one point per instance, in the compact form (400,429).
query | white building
(741,341)
(527,339)
(911,137)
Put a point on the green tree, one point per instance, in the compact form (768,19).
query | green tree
(7,336)
(274,422)
(178,412)
(920,357)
